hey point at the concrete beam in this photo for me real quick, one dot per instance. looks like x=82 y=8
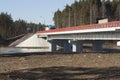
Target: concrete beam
x=53 y=46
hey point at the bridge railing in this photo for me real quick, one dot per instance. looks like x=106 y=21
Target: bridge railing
x=83 y=27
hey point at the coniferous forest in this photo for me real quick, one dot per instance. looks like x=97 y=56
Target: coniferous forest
x=87 y=12
x=10 y=28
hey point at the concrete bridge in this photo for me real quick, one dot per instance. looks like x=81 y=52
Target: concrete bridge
x=73 y=38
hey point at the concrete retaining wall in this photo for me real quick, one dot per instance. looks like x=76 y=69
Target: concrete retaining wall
x=34 y=41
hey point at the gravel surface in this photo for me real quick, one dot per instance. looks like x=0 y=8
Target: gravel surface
x=49 y=66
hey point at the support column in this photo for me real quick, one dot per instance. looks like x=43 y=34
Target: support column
x=97 y=46
x=66 y=46
x=77 y=46
x=118 y=43
x=53 y=46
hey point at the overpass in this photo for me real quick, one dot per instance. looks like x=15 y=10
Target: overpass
x=73 y=38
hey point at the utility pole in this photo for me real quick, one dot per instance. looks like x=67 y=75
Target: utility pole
x=43 y=19
x=69 y=18
x=90 y=12
x=75 y=19
x=103 y=8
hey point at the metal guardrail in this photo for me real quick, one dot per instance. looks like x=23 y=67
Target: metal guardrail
x=16 y=37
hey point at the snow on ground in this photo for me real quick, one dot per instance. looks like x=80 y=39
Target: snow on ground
x=20 y=50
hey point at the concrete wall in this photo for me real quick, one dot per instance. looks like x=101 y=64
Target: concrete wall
x=102 y=21
x=118 y=43
x=88 y=36
x=34 y=41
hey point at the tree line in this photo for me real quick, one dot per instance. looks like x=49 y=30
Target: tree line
x=87 y=12
x=10 y=28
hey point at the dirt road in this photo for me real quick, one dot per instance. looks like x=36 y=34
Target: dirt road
x=48 y=66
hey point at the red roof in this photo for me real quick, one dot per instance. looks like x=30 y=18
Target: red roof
x=83 y=27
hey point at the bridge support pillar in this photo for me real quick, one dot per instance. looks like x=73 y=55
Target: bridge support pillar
x=77 y=46
x=53 y=46
x=97 y=46
x=66 y=46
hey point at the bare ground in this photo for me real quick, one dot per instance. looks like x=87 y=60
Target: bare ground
x=51 y=66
